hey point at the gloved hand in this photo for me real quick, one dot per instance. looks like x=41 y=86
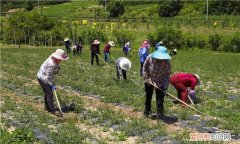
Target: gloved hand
x=54 y=87
x=192 y=94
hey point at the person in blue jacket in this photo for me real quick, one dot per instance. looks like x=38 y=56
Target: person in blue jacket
x=143 y=52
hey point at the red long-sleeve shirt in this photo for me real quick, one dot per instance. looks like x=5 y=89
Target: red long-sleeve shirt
x=188 y=80
x=107 y=48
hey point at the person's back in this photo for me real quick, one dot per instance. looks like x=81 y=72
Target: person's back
x=186 y=79
x=107 y=48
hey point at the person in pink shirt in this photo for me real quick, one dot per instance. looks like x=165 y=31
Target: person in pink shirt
x=185 y=84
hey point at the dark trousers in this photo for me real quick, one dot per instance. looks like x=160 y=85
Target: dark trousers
x=124 y=74
x=141 y=67
x=159 y=99
x=49 y=106
x=68 y=49
x=93 y=54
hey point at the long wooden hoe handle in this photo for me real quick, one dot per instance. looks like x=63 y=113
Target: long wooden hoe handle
x=190 y=99
x=112 y=58
x=55 y=94
x=177 y=99
x=103 y=60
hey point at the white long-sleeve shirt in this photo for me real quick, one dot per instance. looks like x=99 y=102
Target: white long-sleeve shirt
x=47 y=71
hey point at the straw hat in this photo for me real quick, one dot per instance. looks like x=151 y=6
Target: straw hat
x=96 y=42
x=125 y=64
x=161 y=53
x=66 y=39
x=198 y=78
x=111 y=43
x=60 y=54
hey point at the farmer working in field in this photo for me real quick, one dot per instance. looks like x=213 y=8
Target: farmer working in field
x=106 y=50
x=156 y=70
x=143 y=52
x=95 y=50
x=45 y=75
x=127 y=49
x=122 y=65
x=67 y=45
x=183 y=81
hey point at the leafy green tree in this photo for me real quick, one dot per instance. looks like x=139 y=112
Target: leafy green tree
x=29 y=5
x=169 y=8
x=219 y=7
x=116 y=9
x=215 y=41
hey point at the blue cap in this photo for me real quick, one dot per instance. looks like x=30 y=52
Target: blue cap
x=161 y=53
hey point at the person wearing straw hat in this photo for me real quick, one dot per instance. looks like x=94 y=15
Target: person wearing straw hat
x=45 y=76
x=95 y=51
x=106 y=50
x=156 y=70
x=122 y=65
x=143 y=52
x=67 y=44
x=185 y=84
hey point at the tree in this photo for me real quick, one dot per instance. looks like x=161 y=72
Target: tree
x=116 y=9
x=28 y=5
x=169 y=8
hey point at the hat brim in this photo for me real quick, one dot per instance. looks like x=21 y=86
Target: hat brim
x=96 y=42
x=111 y=44
x=159 y=55
x=122 y=63
x=59 y=57
x=66 y=39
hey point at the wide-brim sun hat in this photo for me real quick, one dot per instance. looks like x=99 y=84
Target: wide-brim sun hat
x=198 y=78
x=161 y=53
x=111 y=43
x=96 y=42
x=60 y=54
x=66 y=39
x=125 y=64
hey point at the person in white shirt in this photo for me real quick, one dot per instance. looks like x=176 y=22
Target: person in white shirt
x=122 y=65
x=45 y=76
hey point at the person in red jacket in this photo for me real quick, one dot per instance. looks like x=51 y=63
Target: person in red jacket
x=183 y=81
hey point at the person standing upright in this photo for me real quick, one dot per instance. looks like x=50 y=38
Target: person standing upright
x=156 y=70
x=95 y=51
x=143 y=52
x=106 y=50
x=67 y=45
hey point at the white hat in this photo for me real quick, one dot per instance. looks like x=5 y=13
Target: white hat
x=66 y=39
x=96 y=42
x=111 y=43
x=60 y=54
x=125 y=64
x=198 y=78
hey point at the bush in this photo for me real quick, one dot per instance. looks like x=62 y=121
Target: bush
x=116 y=9
x=215 y=41
x=121 y=37
x=169 y=8
x=88 y=36
x=172 y=37
x=232 y=45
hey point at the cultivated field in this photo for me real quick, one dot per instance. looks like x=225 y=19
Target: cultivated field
x=111 y=112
